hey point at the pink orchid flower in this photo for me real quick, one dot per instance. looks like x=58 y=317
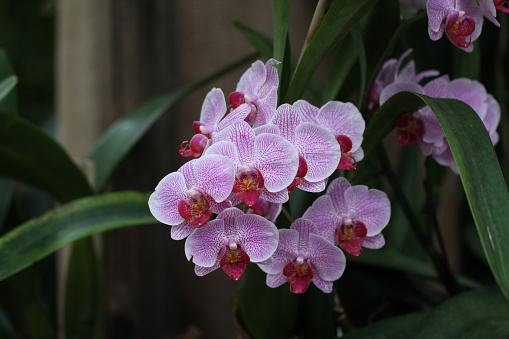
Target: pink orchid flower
x=460 y=19
x=212 y=119
x=351 y=216
x=344 y=121
x=232 y=241
x=185 y=199
x=258 y=87
x=263 y=163
x=302 y=256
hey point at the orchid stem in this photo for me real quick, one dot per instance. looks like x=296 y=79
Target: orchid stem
x=425 y=238
x=433 y=224
x=321 y=9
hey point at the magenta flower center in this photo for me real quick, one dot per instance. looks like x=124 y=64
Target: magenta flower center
x=195 y=208
x=459 y=27
x=410 y=128
x=301 y=173
x=351 y=237
x=234 y=260
x=299 y=274
x=248 y=185
x=347 y=161
x=502 y=5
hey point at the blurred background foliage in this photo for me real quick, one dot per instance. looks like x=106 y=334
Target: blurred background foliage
x=135 y=282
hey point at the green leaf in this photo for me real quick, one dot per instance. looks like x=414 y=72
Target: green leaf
x=282 y=52
x=9 y=103
x=6 y=190
x=39 y=237
x=7 y=85
x=30 y=155
x=118 y=140
x=461 y=314
x=401 y=327
x=361 y=51
x=81 y=295
x=340 y=18
x=475 y=157
x=267 y=312
x=342 y=65
x=390 y=259
x=260 y=41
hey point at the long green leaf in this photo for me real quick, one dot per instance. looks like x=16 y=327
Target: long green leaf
x=461 y=314
x=7 y=85
x=478 y=167
x=9 y=104
x=39 y=237
x=30 y=155
x=340 y=18
x=260 y=41
x=118 y=140
x=281 y=18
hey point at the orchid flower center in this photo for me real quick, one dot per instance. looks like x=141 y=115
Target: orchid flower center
x=301 y=173
x=238 y=98
x=410 y=128
x=299 y=274
x=351 y=237
x=201 y=128
x=261 y=208
x=195 y=208
x=502 y=5
x=195 y=147
x=248 y=184
x=234 y=260
x=347 y=161
x=459 y=28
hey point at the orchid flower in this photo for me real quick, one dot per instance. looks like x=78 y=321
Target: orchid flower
x=185 y=199
x=258 y=87
x=474 y=94
x=212 y=111
x=344 y=121
x=489 y=9
x=319 y=152
x=351 y=216
x=302 y=257
x=231 y=241
x=460 y=19
x=392 y=79
x=264 y=161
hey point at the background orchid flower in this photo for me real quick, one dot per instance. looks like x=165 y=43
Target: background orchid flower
x=460 y=19
x=344 y=121
x=391 y=80
x=319 y=152
x=303 y=256
x=232 y=241
x=351 y=216
x=258 y=87
x=268 y=210
x=261 y=161
x=211 y=120
x=474 y=94
x=489 y=9
x=185 y=199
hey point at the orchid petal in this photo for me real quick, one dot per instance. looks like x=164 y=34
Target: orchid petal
x=180 y=231
x=320 y=149
x=213 y=108
x=204 y=244
x=286 y=251
x=325 y=217
x=276 y=280
x=277 y=160
x=343 y=119
x=287 y=120
x=216 y=175
x=374 y=242
x=258 y=236
x=164 y=201
x=371 y=207
x=328 y=261
x=306 y=111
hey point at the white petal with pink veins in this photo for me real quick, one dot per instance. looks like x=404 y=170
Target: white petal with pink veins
x=277 y=160
x=163 y=203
